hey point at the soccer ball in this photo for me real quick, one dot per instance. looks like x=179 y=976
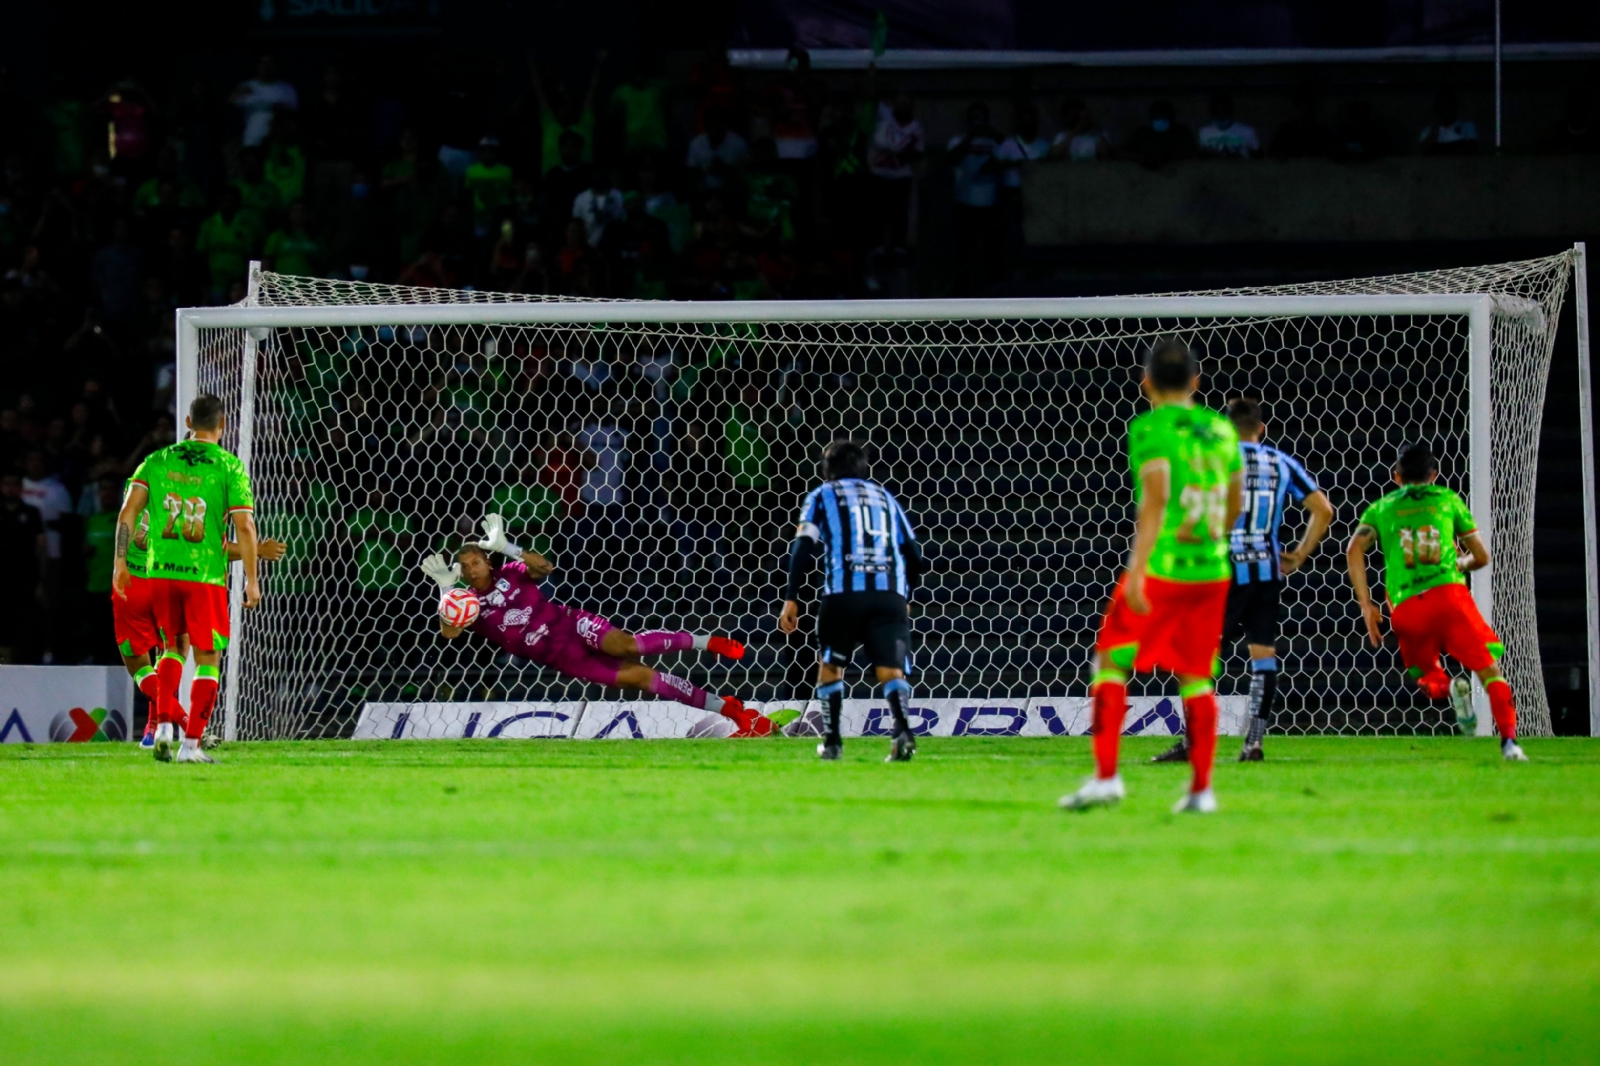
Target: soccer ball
x=459 y=608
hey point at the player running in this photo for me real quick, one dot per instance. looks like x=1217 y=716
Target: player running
x=1260 y=565
x=189 y=491
x=871 y=560
x=516 y=617
x=1167 y=610
x=1417 y=527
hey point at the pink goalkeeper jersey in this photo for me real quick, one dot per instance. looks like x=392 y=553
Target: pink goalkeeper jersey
x=517 y=618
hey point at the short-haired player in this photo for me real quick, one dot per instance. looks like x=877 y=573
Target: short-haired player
x=871 y=559
x=189 y=492
x=1261 y=565
x=1417 y=527
x=516 y=617
x=1167 y=611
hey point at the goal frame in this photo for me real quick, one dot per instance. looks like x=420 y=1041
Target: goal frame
x=257 y=322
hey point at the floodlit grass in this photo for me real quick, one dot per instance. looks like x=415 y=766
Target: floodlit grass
x=1356 y=900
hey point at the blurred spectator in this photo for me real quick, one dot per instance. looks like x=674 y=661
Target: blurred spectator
x=562 y=184
x=261 y=98
x=293 y=248
x=284 y=165
x=795 y=102
x=976 y=172
x=770 y=196
x=718 y=152
x=382 y=536
x=639 y=105
x=1577 y=132
x=576 y=263
x=225 y=240
x=43 y=490
x=1360 y=137
x=167 y=194
x=1078 y=139
x=127 y=109
x=1223 y=137
x=363 y=232
x=1304 y=135
x=488 y=181
x=417 y=189
x=559 y=114
x=118 y=272
x=638 y=252
x=332 y=128
x=1449 y=133
x=1025 y=145
x=23 y=542
x=259 y=203
x=607 y=463
x=898 y=145
x=563 y=472
x=598 y=206
x=94 y=613
x=1162 y=140
x=528 y=504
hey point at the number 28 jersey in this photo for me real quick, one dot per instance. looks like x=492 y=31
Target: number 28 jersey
x=195 y=487
x=1417 y=527
x=1202 y=452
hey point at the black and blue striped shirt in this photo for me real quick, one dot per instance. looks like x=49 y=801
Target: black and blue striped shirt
x=1271 y=477
x=865 y=536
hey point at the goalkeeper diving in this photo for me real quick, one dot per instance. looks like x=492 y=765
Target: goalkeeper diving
x=516 y=617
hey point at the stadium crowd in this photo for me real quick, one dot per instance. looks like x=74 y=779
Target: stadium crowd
x=117 y=207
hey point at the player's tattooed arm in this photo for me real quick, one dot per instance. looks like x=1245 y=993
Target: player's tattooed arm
x=132 y=505
x=1355 y=557
x=1477 y=556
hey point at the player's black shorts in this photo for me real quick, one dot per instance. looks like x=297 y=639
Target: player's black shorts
x=1253 y=612
x=878 y=621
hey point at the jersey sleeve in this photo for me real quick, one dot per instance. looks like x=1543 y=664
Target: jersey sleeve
x=902 y=521
x=1139 y=447
x=1300 y=482
x=241 y=497
x=1465 y=523
x=146 y=471
x=1370 y=517
x=807 y=524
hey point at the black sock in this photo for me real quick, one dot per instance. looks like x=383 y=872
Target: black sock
x=1263 y=699
x=897 y=692
x=832 y=697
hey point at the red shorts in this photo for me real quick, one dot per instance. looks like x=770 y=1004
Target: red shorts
x=1182 y=633
x=192 y=607
x=1444 y=618
x=133 y=620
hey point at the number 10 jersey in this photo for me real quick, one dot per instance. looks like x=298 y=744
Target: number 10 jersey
x=195 y=487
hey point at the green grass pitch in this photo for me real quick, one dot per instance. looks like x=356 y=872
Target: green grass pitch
x=1357 y=900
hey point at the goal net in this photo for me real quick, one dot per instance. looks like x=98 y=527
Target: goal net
x=658 y=452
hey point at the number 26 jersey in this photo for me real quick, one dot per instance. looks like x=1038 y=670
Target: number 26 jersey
x=195 y=487
x=1417 y=527
x=1202 y=453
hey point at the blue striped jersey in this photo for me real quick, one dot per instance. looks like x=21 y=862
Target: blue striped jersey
x=863 y=531
x=1271 y=478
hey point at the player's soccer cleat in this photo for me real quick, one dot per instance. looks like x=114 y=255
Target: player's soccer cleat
x=1511 y=751
x=164 y=742
x=1204 y=802
x=901 y=748
x=1251 y=753
x=149 y=738
x=1096 y=792
x=193 y=753
x=726 y=647
x=830 y=750
x=1461 y=704
x=751 y=722
x=1179 y=752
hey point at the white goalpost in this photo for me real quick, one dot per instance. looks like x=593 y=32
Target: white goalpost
x=658 y=451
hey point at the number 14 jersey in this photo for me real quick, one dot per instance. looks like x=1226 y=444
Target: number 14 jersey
x=1417 y=527
x=195 y=487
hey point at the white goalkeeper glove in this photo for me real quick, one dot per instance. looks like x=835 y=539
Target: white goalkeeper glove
x=444 y=574
x=494 y=537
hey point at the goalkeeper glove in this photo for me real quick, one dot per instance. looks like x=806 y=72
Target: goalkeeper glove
x=444 y=574
x=494 y=537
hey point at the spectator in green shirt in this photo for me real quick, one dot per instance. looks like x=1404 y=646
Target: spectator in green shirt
x=294 y=249
x=259 y=202
x=382 y=538
x=99 y=536
x=167 y=189
x=558 y=114
x=285 y=164
x=225 y=240
x=640 y=107
x=488 y=181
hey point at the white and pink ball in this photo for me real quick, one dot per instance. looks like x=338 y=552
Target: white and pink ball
x=459 y=608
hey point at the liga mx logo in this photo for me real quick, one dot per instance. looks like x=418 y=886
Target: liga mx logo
x=79 y=726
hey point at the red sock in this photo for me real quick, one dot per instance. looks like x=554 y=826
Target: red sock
x=202 y=698
x=1110 y=708
x=150 y=686
x=1503 y=707
x=1202 y=714
x=169 y=675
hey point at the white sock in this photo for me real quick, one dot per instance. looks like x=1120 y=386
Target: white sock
x=190 y=743
x=713 y=702
x=702 y=641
